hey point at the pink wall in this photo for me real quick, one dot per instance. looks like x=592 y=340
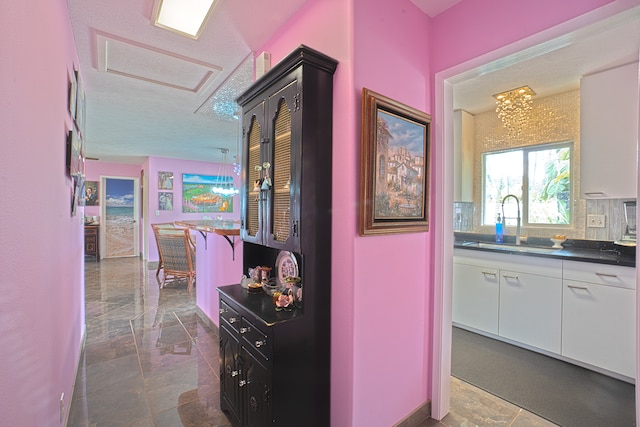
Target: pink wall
x=41 y=255
x=378 y=314
x=472 y=28
x=382 y=317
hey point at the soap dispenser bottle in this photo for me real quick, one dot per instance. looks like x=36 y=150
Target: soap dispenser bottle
x=499 y=230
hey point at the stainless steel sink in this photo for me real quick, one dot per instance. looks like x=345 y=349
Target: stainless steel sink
x=516 y=248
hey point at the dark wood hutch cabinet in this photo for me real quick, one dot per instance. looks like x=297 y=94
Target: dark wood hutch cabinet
x=274 y=365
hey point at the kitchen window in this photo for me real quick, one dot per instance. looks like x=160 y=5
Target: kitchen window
x=540 y=176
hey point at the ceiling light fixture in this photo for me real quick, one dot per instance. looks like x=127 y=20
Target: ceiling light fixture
x=224 y=181
x=185 y=17
x=514 y=107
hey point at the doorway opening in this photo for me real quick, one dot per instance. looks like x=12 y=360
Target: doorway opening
x=447 y=82
x=120 y=208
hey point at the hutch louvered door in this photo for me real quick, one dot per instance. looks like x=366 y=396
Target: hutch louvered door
x=252 y=199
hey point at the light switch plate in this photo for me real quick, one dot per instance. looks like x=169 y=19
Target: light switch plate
x=595 y=221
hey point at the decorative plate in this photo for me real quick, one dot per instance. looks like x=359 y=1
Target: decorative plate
x=286 y=266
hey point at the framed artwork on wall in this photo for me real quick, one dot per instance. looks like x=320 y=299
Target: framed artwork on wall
x=394 y=170
x=165 y=180
x=165 y=201
x=91 y=195
x=202 y=193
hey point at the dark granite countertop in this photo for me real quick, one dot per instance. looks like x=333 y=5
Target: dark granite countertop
x=597 y=251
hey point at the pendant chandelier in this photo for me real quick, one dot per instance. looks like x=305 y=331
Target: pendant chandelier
x=224 y=182
x=514 y=108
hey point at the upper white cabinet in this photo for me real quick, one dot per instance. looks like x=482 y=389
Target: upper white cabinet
x=609 y=133
x=463 y=134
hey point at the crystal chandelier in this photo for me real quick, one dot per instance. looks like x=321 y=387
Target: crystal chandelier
x=224 y=182
x=514 y=107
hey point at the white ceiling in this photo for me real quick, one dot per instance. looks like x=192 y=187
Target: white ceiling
x=151 y=92
x=555 y=66
x=144 y=85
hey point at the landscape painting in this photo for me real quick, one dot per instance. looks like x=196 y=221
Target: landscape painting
x=206 y=193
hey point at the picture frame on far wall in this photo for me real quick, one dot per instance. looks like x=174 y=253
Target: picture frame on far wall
x=165 y=201
x=165 y=180
x=91 y=194
x=394 y=170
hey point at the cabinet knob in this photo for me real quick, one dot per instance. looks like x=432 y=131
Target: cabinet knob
x=242 y=383
x=232 y=320
x=260 y=343
x=244 y=330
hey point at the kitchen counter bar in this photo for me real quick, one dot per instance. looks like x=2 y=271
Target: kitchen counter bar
x=596 y=251
x=226 y=228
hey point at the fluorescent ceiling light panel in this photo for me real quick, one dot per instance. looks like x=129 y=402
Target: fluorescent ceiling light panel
x=185 y=17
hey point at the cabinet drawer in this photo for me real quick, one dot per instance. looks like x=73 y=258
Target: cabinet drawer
x=229 y=315
x=602 y=274
x=255 y=338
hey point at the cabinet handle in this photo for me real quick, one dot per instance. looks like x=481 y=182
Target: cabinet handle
x=606 y=275
x=582 y=288
x=507 y=276
x=594 y=193
x=489 y=273
x=232 y=320
x=260 y=343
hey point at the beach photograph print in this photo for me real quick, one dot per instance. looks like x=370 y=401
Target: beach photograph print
x=119 y=211
x=400 y=168
x=207 y=193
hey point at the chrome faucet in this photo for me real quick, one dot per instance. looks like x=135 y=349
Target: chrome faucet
x=517 y=219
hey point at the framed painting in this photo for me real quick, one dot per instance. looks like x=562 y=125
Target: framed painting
x=165 y=180
x=165 y=201
x=206 y=193
x=394 y=170
x=91 y=195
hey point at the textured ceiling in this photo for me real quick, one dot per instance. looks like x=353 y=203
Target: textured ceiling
x=143 y=84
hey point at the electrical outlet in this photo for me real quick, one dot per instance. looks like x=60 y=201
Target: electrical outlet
x=157 y=213
x=595 y=221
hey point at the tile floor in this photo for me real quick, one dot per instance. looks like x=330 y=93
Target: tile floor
x=149 y=360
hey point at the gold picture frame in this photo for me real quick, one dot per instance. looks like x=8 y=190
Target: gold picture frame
x=394 y=171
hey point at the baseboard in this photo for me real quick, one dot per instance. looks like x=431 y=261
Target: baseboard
x=201 y=314
x=417 y=417
x=67 y=410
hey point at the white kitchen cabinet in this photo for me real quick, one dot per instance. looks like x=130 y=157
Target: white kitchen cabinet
x=599 y=316
x=531 y=309
x=609 y=132
x=475 y=296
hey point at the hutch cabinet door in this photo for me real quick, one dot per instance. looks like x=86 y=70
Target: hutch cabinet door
x=253 y=198
x=257 y=392
x=282 y=213
x=230 y=374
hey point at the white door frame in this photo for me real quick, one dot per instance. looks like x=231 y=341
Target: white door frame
x=136 y=212
x=524 y=49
